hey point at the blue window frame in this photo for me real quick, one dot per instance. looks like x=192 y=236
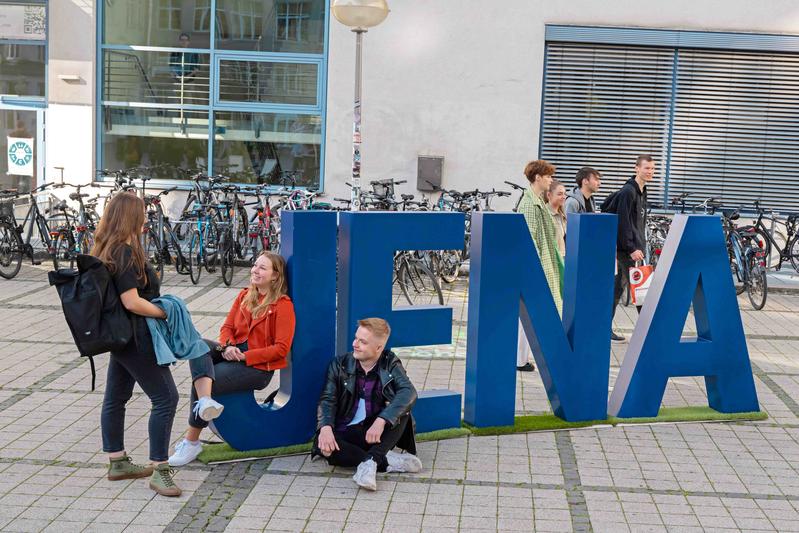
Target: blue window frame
x=201 y=92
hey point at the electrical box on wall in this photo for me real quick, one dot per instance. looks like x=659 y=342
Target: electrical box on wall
x=429 y=172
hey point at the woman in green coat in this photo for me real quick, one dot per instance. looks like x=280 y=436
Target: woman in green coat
x=542 y=230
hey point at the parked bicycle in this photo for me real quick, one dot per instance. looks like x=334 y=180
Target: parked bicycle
x=779 y=247
x=747 y=260
x=12 y=244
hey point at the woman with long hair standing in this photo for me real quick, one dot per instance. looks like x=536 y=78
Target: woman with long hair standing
x=254 y=341
x=117 y=244
x=556 y=197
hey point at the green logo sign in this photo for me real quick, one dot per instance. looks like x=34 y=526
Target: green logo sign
x=20 y=153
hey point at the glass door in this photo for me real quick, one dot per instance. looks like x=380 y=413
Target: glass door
x=21 y=147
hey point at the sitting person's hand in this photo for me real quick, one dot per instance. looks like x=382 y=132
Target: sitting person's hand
x=232 y=353
x=376 y=430
x=327 y=442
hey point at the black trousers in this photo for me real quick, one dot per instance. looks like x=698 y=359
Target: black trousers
x=228 y=376
x=622 y=279
x=353 y=448
x=137 y=364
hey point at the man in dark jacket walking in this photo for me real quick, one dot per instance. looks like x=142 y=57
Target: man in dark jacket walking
x=630 y=206
x=364 y=410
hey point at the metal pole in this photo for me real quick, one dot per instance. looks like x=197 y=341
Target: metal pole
x=355 y=205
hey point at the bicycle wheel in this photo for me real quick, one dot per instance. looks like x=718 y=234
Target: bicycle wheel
x=418 y=284
x=181 y=265
x=10 y=251
x=211 y=247
x=793 y=253
x=195 y=257
x=152 y=253
x=736 y=270
x=64 y=251
x=227 y=255
x=448 y=264
x=756 y=285
x=86 y=242
x=772 y=252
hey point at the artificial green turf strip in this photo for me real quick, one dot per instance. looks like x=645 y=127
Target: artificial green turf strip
x=527 y=423
x=213 y=453
x=689 y=414
x=442 y=434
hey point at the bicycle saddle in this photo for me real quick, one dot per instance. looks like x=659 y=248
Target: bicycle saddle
x=406 y=197
x=75 y=196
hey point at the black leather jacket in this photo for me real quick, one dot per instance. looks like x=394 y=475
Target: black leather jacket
x=338 y=394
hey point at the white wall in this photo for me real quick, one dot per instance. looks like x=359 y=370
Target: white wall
x=462 y=79
x=69 y=117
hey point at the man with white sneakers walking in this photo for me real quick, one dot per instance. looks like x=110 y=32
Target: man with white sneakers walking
x=364 y=410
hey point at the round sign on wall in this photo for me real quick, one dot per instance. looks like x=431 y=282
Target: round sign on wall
x=20 y=153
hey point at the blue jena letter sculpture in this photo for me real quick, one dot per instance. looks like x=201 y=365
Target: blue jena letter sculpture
x=506 y=282
x=309 y=245
x=693 y=267
x=572 y=356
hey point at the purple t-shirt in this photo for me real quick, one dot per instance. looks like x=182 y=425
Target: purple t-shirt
x=368 y=388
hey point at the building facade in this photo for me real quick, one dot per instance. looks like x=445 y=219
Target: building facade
x=258 y=89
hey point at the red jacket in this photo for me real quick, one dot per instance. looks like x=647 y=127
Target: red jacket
x=268 y=337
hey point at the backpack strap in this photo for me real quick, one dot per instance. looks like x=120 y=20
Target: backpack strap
x=94 y=371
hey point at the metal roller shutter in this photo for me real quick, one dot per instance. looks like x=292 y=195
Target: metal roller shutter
x=736 y=127
x=603 y=106
x=719 y=123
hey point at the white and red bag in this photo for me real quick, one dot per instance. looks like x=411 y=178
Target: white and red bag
x=640 y=280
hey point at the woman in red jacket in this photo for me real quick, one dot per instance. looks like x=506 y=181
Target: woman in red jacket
x=254 y=342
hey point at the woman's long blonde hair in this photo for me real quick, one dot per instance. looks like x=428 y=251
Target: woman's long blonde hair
x=122 y=220
x=277 y=289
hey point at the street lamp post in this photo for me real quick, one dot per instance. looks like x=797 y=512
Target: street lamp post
x=360 y=15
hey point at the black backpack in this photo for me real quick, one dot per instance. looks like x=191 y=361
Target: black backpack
x=609 y=203
x=92 y=308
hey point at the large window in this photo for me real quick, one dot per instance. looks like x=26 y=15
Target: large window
x=250 y=78
x=23 y=52
x=720 y=123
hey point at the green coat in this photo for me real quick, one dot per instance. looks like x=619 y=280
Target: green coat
x=542 y=230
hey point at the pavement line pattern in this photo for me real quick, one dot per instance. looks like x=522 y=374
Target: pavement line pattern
x=778 y=391
x=215 y=502
x=202 y=290
x=574 y=491
x=44 y=307
x=41 y=383
x=25 y=294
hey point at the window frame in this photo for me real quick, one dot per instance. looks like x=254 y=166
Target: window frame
x=214 y=104
x=31 y=101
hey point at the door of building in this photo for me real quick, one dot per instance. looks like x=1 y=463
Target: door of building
x=21 y=147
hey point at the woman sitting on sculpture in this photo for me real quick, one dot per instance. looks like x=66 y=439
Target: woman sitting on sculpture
x=254 y=341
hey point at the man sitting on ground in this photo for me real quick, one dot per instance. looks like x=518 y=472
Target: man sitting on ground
x=364 y=410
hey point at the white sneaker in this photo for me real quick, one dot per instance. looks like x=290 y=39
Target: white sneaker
x=207 y=408
x=403 y=462
x=185 y=452
x=365 y=476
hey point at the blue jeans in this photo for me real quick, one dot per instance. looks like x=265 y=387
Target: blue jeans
x=228 y=376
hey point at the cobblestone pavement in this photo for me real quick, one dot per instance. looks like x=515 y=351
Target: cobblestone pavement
x=675 y=477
